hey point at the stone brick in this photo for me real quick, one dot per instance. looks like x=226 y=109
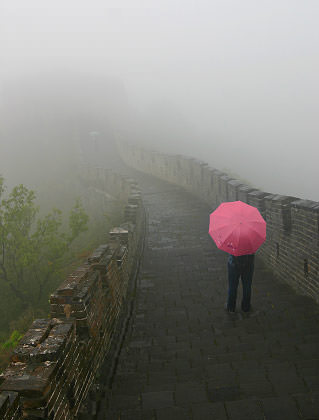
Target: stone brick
x=280 y=408
x=244 y=410
x=157 y=400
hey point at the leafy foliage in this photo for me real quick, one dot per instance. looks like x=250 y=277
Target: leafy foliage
x=7 y=347
x=12 y=341
x=32 y=248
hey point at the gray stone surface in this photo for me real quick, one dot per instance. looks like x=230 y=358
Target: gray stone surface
x=184 y=357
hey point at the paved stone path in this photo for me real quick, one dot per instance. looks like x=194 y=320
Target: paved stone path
x=184 y=357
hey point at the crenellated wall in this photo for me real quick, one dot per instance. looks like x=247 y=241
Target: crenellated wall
x=292 y=245
x=57 y=360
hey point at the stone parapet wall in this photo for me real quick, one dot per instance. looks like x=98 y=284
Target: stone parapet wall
x=107 y=180
x=292 y=245
x=57 y=360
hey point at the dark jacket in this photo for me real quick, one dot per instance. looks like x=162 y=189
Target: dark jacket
x=243 y=262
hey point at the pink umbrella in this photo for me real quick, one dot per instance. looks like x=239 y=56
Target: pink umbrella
x=237 y=228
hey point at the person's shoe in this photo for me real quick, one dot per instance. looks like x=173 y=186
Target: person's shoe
x=228 y=310
x=247 y=312
x=231 y=312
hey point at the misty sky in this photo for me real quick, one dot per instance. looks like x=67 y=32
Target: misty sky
x=234 y=82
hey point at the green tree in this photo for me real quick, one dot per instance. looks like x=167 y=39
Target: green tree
x=12 y=341
x=32 y=247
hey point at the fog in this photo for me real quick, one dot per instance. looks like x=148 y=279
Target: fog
x=232 y=82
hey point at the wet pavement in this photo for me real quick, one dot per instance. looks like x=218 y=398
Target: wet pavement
x=184 y=356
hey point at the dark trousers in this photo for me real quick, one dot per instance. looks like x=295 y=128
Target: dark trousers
x=236 y=271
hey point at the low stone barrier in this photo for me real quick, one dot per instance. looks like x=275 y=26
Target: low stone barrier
x=292 y=245
x=56 y=361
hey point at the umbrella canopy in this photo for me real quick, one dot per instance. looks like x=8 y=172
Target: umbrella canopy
x=237 y=228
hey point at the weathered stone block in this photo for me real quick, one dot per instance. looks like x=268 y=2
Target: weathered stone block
x=30 y=381
x=98 y=253
x=73 y=281
x=120 y=235
x=9 y=405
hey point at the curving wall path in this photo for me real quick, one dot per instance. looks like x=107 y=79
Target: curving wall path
x=57 y=360
x=292 y=245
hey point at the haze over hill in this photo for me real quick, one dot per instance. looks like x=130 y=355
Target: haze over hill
x=233 y=83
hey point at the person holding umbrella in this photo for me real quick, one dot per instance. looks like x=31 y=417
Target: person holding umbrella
x=239 y=229
x=240 y=267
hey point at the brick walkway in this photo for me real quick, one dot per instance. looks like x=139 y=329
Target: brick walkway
x=184 y=357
